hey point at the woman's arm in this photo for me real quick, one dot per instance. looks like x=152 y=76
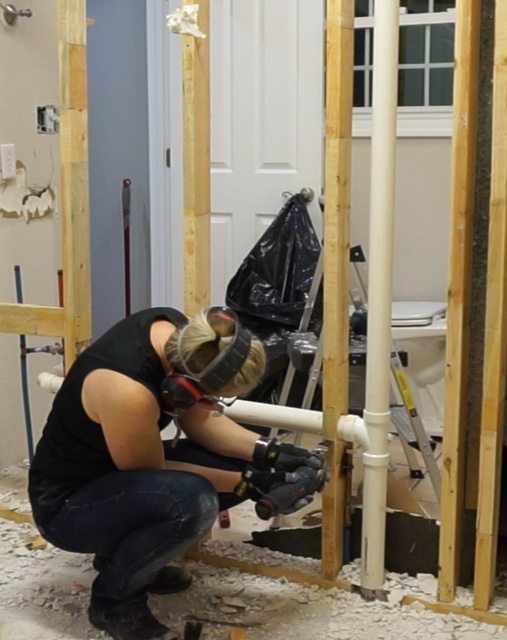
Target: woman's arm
x=218 y=433
x=128 y=414
x=223 y=481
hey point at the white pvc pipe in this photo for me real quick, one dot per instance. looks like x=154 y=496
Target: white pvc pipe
x=376 y=413
x=278 y=417
x=350 y=428
x=49 y=381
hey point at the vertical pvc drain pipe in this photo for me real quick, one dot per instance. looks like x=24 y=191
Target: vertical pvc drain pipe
x=376 y=413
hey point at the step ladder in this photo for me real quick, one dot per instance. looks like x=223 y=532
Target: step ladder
x=405 y=419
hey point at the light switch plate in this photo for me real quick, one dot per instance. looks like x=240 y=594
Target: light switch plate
x=8 y=161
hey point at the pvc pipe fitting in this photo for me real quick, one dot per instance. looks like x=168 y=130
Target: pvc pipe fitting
x=376 y=418
x=375 y=459
x=49 y=381
x=353 y=429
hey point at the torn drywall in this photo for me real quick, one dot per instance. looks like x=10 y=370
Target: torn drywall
x=20 y=200
x=184 y=20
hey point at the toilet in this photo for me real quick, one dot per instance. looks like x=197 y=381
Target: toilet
x=419 y=328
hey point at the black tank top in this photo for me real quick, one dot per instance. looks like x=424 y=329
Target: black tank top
x=72 y=449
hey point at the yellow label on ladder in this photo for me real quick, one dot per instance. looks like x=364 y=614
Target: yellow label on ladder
x=405 y=391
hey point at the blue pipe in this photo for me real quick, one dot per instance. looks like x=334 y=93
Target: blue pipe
x=24 y=371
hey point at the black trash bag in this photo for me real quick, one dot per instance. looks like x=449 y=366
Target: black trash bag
x=270 y=289
x=272 y=282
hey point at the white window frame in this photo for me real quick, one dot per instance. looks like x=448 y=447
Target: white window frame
x=413 y=122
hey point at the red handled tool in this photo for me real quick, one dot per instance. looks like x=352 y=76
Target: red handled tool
x=224 y=519
x=125 y=196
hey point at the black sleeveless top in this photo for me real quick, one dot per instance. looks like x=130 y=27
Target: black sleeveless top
x=73 y=449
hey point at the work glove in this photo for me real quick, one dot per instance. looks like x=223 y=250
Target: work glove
x=255 y=483
x=283 y=456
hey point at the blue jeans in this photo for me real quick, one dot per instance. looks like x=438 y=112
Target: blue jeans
x=140 y=521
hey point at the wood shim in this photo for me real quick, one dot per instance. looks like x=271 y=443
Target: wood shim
x=15 y=516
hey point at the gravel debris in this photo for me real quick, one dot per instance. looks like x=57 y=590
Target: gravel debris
x=44 y=596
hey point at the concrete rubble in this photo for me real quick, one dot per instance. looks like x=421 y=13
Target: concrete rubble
x=44 y=596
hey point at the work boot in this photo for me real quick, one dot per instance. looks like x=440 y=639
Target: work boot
x=145 y=627
x=170 y=579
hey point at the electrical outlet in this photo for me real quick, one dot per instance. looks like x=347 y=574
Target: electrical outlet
x=47 y=119
x=8 y=161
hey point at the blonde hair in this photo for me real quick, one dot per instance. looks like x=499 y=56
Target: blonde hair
x=192 y=347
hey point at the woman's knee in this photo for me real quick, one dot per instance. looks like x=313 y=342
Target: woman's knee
x=191 y=501
x=201 y=507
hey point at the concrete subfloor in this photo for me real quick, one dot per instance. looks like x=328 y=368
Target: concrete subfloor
x=44 y=592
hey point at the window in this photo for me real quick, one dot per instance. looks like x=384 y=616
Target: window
x=426 y=64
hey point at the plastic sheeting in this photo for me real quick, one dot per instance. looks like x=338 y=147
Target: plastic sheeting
x=270 y=289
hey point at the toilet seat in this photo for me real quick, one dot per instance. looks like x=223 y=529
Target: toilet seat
x=416 y=314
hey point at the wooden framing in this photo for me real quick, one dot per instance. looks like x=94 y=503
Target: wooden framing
x=269 y=571
x=488 y=617
x=339 y=64
x=31 y=319
x=340 y=30
x=74 y=200
x=495 y=351
x=73 y=321
x=340 y=50
x=300 y=577
x=196 y=165
x=466 y=76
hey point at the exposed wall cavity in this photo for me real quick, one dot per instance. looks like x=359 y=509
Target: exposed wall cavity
x=19 y=199
x=480 y=248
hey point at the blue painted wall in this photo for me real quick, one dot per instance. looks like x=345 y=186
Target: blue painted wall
x=118 y=135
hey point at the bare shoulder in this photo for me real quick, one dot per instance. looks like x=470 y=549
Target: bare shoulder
x=107 y=390
x=128 y=413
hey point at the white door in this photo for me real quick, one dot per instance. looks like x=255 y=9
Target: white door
x=266 y=119
x=266 y=122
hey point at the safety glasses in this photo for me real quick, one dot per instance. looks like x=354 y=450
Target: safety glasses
x=222 y=320
x=216 y=404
